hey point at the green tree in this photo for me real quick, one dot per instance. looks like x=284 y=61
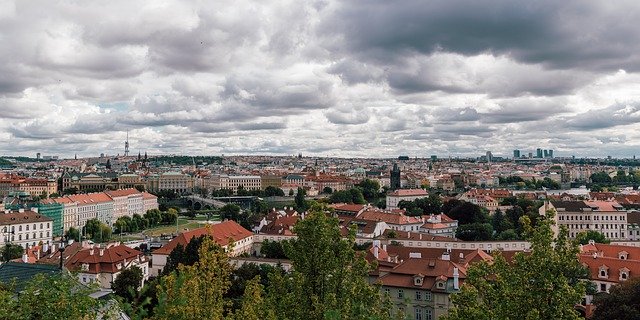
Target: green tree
x=273 y=249
x=601 y=178
x=11 y=251
x=328 y=278
x=154 y=216
x=72 y=233
x=327 y=190
x=184 y=255
x=197 y=291
x=621 y=303
x=475 y=232
x=543 y=284
x=272 y=191
x=230 y=211
x=253 y=305
x=97 y=231
x=370 y=189
x=584 y=237
x=50 y=297
x=467 y=213
x=299 y=201
x=127 y=283
x=499 y=222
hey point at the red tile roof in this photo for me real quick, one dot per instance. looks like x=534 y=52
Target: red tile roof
x=221 y=234
x=103 y=260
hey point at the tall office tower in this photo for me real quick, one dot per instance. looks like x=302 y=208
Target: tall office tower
x=489 y=156
x=395 y=177
x=516 y=154
x=546 y=153
x=550 y=153
x=538 y=153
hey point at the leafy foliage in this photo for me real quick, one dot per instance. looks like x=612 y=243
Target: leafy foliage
x=128 y=282
x=273 y=249
x=11 y=251
x=620 y=303
x=187 y=256
x=49 y=297
x=196 y=291
x=97 y=230
x=585 y=236
x=542 y=284
x=328 y=277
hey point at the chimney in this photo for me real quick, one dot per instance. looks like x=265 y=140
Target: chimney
x=384 y=247
x=456 y=279
x=91 y=251
x=45 y=248
x=461 y=257
x=34 y=210
x=53 y=248
x=25 y=258
x=420 y=236
x=21 y=210
x=101 y=252
x=375 y=252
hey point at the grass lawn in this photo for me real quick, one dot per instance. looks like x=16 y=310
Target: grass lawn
x=168 y=229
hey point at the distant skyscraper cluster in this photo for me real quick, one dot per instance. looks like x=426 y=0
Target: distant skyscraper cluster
x=540 y=154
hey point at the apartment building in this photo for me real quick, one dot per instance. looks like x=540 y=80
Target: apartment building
x=126 y=202
x=93 y=206
x=25 y=227
x=606 y=217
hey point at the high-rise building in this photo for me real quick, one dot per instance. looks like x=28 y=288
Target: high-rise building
x=538 y=153
x=546 y=153
x=550 y=153
x=395 y=177
x=489 y=156
x=516 y=154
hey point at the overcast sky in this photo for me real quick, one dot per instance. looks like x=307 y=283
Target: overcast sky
x=330 y=78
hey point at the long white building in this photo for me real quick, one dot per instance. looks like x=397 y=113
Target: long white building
x=25 y=228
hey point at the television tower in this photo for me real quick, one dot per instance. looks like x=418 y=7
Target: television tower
x=126 y=146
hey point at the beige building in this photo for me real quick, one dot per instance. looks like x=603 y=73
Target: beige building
x=606 y=217
x=126 y=202
x=221 y=181
x=170 y=181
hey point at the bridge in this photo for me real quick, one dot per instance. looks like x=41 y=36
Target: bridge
x=198 y=202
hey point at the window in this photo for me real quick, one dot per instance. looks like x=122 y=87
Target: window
x=418 y=295
x=20 y=228
x=427 y=314
x=400 y=294
x=418 y=312
x=41 y=226
x=387 y=291
x=603 y=287
x=427 y=296
x=26 y=236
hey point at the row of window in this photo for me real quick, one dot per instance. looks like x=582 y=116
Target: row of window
x=13 y=228
x=595 y=226
x=26 y=236
x=419 y=295
x=597 y=218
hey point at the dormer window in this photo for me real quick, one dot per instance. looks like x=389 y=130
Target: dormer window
x=440 y=285
x=417 y=280
x=623 y=255
x=624 y=274
x=85 y=267
x=603 y=273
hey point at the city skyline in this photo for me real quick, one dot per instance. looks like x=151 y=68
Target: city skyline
x=321 y=78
